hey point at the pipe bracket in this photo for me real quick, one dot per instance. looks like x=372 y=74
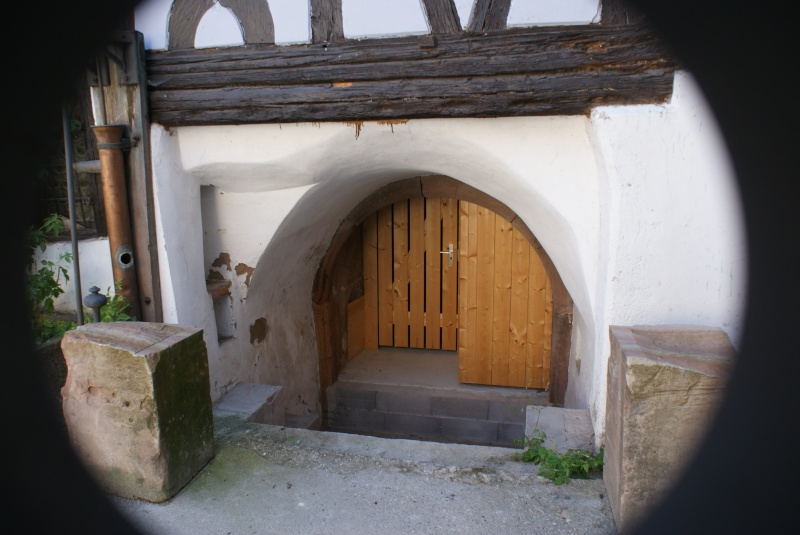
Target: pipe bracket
x=124 y=144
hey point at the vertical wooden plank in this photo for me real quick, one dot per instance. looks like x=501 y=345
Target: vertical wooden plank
x=536 y=317
x=464 y=354
x=547 y=341
x=489 y=15
x=472 y=292
x=449 y=274
x=501 y=304
x=385 y=320
x=326 y=21
x=355 y=327
x=416 y=272
x=485 y=295
x=369 y=241
x=126 y=103
x=433 y=272
x=400 y=282
x=442 y=16
x=518 y=322
x=559 y=364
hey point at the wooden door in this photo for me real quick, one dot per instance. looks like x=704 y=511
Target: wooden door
x=493 y=304
x=410 y=287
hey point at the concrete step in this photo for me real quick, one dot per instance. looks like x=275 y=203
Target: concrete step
x=252 y=402
x=491 y=416
x=564 y=428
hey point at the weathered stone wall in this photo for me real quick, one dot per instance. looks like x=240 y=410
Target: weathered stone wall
x=664 y=385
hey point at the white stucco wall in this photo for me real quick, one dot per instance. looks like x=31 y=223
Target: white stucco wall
x=94 y=259
x=675 y=249
x=635 y=205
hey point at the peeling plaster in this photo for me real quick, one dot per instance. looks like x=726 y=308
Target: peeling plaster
x=258 y=331
x=214 y=276
x=241 y=269
x=223 y=260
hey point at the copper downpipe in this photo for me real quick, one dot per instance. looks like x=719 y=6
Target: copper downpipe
x=118 y=221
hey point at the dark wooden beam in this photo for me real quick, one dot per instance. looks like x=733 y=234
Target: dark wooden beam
x=184 y=16
x=442 y=16
x=326 y=21
x=619 y=12
x=253 y=15
x=525 y=71
x=255 y=18
x=489 y=15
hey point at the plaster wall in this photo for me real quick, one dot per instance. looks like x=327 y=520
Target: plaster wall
x=94 y=258
x=636 y=207
x=273 y=195
x=672 y=224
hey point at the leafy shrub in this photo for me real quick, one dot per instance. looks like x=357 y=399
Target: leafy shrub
x=558 y=467
x=44 y=284
x=44 y=287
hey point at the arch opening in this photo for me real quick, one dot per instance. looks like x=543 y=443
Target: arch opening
x=339 y=279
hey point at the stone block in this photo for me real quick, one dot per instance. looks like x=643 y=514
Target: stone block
x=565 y=429
x=399 y=402
x=368 y=421
x=475 y=409
x=413 y=425
x=507 y=411
x=469 y=431
x=137 y=405
x=355 y=398
x=664 y=386
x=254 y=402
x=507 y=433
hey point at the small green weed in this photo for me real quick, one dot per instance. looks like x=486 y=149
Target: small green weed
x=558 y=467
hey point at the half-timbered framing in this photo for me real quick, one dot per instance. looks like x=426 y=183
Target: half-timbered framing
x=484 y=70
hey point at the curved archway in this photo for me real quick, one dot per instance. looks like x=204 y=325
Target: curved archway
x=433 y=186
x=255 y=19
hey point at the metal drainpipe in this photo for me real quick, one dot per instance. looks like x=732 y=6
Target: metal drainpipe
x=76 y=266
x=115 y=197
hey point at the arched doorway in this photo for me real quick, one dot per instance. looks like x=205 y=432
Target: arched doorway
x=445 y=274
x=329 y=307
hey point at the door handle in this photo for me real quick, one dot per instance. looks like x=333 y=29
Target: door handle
x=449 y=252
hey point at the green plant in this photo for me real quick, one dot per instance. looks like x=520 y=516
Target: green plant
x=556 y=466
x=44 y=284
x=117 y=308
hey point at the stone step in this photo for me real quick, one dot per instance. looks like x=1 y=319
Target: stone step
x=253 y=402
x=489 y=417
x=564 y=428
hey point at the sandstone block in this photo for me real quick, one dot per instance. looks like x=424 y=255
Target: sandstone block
x=664 y=386
x=137 y=405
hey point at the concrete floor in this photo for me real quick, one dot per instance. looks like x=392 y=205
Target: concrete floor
x=427 y=368
x=270 y=480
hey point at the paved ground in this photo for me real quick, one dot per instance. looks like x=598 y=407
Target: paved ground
x=274 y=480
